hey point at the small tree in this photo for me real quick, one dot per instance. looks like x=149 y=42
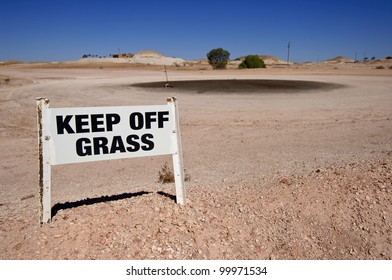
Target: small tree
x=218 y=58
x=252 y=61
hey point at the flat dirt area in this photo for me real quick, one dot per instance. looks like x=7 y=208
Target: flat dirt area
x=284 y=163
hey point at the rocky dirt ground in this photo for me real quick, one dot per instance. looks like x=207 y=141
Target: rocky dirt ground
x=272 y=176
x=337 y=212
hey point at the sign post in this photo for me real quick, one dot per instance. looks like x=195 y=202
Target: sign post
x=75 y=135
x=178 y=167
x=44 y=168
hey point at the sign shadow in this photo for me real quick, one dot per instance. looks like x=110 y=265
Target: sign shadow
x=172 y=197
x=89 y=201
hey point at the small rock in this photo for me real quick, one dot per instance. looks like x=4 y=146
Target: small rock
x=285 y=181
x=382 y=186
x=164 y=230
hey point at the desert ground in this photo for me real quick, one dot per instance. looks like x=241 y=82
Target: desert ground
x=277 y=171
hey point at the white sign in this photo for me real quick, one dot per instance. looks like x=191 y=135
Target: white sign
x=74 y=135
x=92 y=134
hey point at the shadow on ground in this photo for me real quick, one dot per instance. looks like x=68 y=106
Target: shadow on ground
x=238 y=86
x=89 y=201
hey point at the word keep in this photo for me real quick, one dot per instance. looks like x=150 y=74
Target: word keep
x=105 y=122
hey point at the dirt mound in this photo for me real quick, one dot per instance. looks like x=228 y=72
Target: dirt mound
x=149 y=54
x=147 y=57
x=10 y=62
x=155 y=58
x=268 y=59
x=339 y=59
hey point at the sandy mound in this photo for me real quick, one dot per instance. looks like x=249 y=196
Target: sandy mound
x=268 y=60
x=10 y=62
x=149 y=54
x=155 y=58
x=339 y=59
x=99 y=60
x=142 y=57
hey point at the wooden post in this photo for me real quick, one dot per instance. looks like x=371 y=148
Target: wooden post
x=178 y=166
x=44 y=170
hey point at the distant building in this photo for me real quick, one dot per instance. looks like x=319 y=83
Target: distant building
x=122 y=55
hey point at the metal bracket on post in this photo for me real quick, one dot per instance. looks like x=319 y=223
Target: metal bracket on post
x=178 y=166
x=44 y=172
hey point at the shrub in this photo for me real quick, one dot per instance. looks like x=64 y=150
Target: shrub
x=166 y=175
x=218 y=58
x=252 y=61
x=220 y=65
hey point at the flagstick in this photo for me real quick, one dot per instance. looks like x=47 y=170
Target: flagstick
x=167 y=79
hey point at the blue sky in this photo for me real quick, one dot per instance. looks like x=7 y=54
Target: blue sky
x=58 y=30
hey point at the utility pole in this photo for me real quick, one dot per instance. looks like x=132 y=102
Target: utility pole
x=288 y=53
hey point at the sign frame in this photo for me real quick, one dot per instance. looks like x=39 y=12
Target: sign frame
x=46 y=151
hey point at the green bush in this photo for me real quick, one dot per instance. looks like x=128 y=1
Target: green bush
x=252 y=61
x=218 y=58
x=242 y=65
x=220 y=65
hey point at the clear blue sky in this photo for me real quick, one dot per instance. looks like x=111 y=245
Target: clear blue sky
x=57 y=30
